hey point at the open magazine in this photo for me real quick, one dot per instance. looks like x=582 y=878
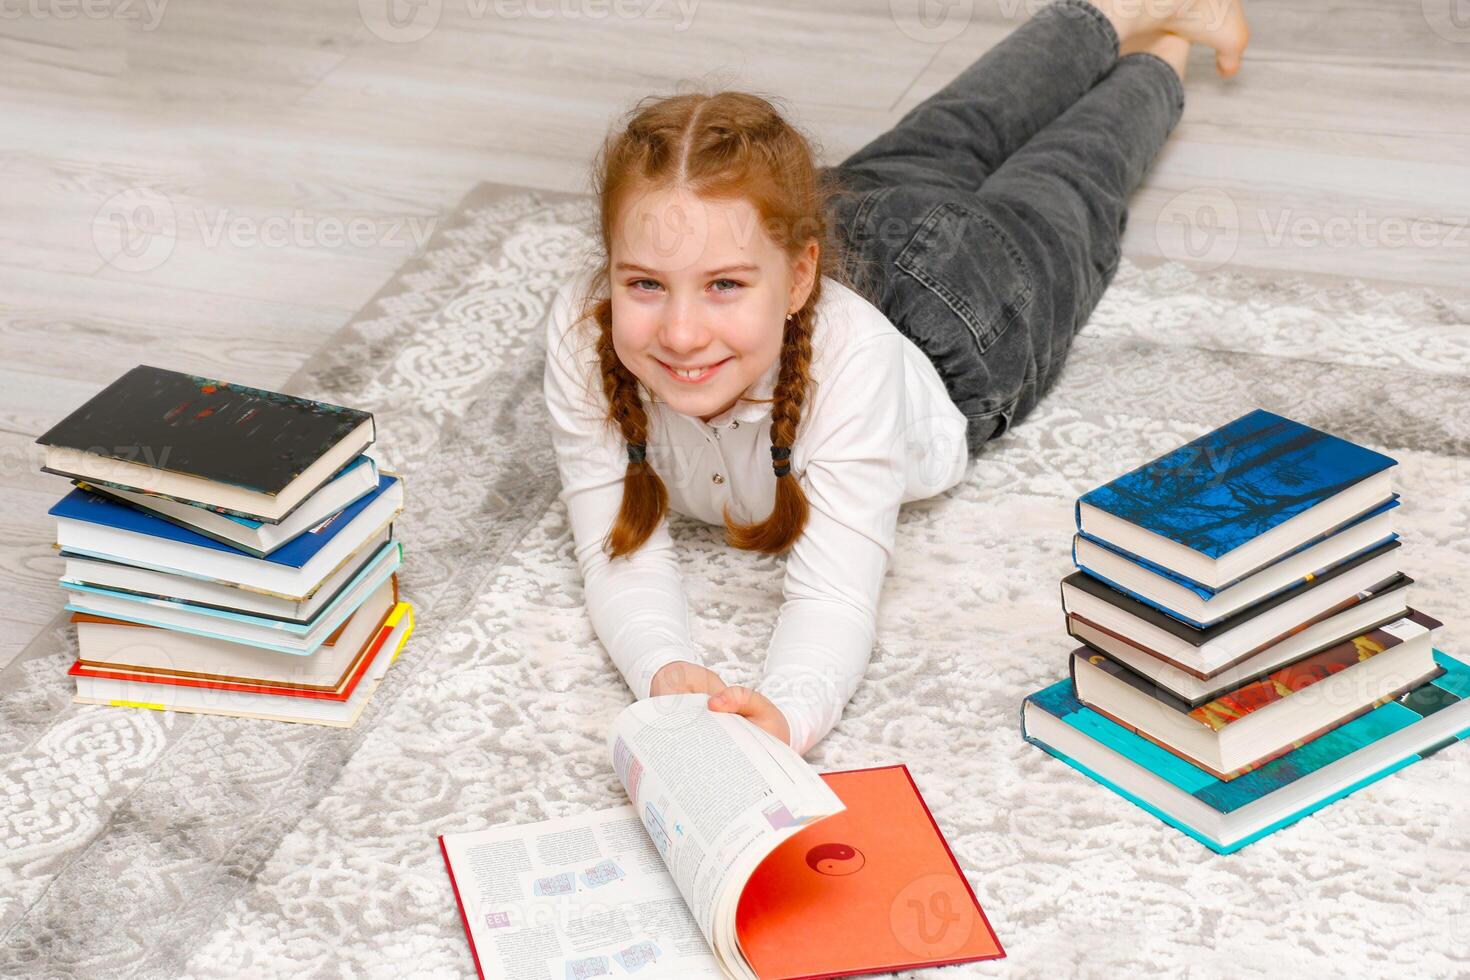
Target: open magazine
x=660 y=878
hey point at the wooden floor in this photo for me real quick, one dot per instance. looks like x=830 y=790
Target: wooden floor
x=271 y=163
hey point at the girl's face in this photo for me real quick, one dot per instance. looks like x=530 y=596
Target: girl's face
x=700 y=295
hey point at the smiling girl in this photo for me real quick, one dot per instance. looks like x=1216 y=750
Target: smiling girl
x=793 y=352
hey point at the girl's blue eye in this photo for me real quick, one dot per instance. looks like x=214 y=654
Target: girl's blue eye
x=732 y=282
x=637 y=282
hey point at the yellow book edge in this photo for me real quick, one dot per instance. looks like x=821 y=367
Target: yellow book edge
x=399 y=612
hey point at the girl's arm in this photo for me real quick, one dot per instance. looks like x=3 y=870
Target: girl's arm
x=854 y=478
x=636 y=604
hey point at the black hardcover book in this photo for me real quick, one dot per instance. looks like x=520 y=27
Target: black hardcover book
x=175 y=434
x=1197 y=637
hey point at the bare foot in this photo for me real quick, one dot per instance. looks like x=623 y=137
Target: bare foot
x=1220 y=24
x=1170 y=47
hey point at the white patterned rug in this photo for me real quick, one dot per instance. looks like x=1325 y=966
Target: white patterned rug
x=145 y=844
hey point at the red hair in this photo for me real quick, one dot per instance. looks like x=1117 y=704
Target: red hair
x=728 y=145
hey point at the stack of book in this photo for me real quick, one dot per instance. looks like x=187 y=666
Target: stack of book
x=1249 y=652
x=227 y=550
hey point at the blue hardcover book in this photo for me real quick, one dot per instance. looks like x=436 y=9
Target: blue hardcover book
x=1351 y=528
x=1227 y=815
x=257 y=538
x=1237 y=498
x=91 y=508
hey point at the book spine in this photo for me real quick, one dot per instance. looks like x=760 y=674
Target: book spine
x=464 y=917
x=1062 y=594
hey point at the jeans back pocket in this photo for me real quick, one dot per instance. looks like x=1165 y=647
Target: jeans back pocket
x=961 y=254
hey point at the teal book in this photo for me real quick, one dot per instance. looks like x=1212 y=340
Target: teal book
x=1226 y=815
x=265 y=632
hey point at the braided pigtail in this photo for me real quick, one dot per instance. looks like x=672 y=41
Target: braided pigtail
x=788 y=516
x=645 y=499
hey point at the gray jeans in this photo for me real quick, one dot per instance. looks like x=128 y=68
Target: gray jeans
x=986 y=223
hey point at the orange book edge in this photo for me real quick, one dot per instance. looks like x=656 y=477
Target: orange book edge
x=363 y=662
x=108 y=669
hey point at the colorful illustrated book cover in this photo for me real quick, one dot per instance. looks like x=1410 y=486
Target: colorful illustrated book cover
x=1233 y=484
x=1226 y=796
x=1277 y=685
x=1206 y=592
x=215 y=430
x=1075 y=621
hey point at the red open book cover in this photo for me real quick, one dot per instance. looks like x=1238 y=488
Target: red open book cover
x=872 y=889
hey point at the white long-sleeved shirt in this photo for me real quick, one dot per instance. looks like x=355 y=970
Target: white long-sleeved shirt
x=878 y=429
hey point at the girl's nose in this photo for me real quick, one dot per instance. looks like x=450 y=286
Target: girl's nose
x=682 y=331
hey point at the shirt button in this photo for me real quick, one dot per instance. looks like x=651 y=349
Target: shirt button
x=718 y=478
x=734 y=423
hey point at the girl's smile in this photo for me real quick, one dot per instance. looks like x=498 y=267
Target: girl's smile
x=694 y=376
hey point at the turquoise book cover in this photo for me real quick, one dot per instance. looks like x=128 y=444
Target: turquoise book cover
x=1449 y=688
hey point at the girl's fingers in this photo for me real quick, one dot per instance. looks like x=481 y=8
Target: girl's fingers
x=731 y=698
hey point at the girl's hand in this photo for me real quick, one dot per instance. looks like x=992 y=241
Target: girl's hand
x=754 y=705
x=685 y=677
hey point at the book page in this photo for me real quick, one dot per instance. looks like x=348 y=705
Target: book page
x=715 y=793
x=575 y=897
